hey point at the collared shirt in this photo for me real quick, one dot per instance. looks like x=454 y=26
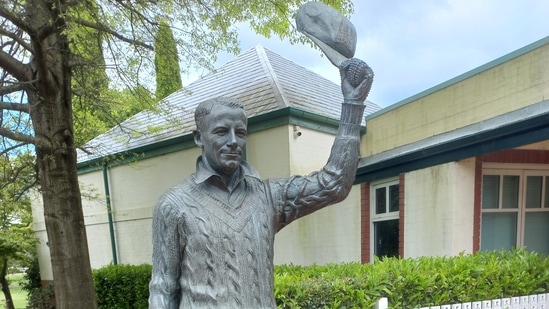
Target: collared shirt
x=204 y=173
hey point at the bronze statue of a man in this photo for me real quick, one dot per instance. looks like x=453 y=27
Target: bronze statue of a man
x=213 y=233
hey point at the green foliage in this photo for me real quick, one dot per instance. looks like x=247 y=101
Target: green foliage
x=350 y=285
x=31 y=279
x=42 y=298
x=17 y=239
x=38 y=297
x=411 y=283
x=407 y=283
x=464 y=278
x=166 y=62
x=122 y=286
x=96 y=107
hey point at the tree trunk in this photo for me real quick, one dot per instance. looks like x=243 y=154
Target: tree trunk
x=65 y=229
x=51 y=114
x=5 y=284
x=62 y=202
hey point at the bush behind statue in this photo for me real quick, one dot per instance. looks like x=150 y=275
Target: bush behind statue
x=408 y=283
x=122 y=286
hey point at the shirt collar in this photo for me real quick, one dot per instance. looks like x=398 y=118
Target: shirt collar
x=204 y=171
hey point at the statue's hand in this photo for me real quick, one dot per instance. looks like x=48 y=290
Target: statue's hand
x=356 y=80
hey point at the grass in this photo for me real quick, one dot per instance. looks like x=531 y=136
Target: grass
x=17 y=293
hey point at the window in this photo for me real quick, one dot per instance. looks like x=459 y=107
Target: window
x=515 y=209
x=384 y=207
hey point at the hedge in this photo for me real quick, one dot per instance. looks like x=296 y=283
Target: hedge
x=122 y=286
x=407 y=283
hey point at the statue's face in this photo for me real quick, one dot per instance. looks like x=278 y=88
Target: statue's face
x=223 y=138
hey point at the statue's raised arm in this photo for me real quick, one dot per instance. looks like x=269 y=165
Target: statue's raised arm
x=304 y=195
x=336 y=37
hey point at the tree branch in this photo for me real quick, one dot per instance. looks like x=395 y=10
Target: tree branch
x=103 y=28
x=12 y=35
x=4 y=90
x=16 y=20
x=15 y=67
x=19 y=107
x=25 y=138
x=9 y=149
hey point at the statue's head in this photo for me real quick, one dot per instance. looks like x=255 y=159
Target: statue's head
x=221 y=131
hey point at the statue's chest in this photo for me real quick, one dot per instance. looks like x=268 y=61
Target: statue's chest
x=244 y=222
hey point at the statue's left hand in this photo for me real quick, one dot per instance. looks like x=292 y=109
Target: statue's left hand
x=356 y=80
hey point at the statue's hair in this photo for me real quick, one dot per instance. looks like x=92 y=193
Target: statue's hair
x=205 y=108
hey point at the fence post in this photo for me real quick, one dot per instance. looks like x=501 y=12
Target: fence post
x=382 y=303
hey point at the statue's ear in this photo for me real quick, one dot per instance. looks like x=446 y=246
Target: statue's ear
x=198 y=138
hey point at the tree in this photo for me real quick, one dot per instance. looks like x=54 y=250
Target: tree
x=39 y=58
x=17 y=240
x=166 y=62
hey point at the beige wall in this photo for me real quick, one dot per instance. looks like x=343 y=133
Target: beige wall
x=514 y=84
x=268 y=150
x=330 y=235
x=438 y=213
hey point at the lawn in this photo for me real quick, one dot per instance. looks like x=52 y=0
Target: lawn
x=19 y=295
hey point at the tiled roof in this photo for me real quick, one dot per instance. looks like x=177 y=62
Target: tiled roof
x=262 y=80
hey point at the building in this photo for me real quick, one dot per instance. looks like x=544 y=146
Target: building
x=463 y=166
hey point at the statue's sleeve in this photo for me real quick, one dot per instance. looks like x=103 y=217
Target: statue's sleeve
x=167 y=242
x=302 y=195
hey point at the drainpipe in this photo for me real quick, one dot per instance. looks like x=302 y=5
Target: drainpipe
x=109 y=212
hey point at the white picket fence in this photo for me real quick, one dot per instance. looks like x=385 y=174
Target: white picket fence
x=537 y=301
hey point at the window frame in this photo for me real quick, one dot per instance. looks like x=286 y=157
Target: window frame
x=523 y=171
x=388 y=215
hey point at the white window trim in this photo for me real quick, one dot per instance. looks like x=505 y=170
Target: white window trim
x=379 y=217
x=521 y=170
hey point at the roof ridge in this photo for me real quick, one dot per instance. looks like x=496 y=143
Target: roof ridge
x=273 y=77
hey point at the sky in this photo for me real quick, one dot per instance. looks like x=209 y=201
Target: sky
x=413 y=45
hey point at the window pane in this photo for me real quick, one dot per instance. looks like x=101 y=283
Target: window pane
x=535 y=232
x=393 y=198
x=546 y=192
x=499 y=231
x=510 y=191
x=381 y=200
x=490 y=191
x=386 y=238
x=533 y=191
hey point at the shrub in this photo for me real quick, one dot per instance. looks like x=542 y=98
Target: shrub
x=407 y=283
x=464 y=278
x=38 y=297
x=122 y=286
x=31 y=278
x=330 y=286
x=42 y=298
